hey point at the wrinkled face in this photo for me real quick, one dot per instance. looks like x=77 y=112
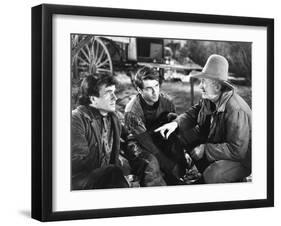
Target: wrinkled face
x=150 y=91
x=210 y=89
x=106 y=102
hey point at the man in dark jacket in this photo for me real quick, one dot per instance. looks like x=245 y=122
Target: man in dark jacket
x=217 y=131
x=150 y=156
x=95 y=136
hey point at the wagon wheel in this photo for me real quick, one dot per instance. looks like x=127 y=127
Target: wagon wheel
x=93 y=57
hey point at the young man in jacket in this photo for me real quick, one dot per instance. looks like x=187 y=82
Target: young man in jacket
x=217 y=131
x=157 y=162
x=95 y=136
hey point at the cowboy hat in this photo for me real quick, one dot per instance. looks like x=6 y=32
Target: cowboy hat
x=216 y=68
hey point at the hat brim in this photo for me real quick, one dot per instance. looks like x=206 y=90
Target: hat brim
x=209 y=76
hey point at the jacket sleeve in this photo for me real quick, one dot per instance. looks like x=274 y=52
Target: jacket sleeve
x=80 y=153
x=137 y=128
x=172 y=107
x=188 y=129
x=235 y=147
x=134 y=123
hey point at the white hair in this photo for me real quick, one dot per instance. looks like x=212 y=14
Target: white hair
x=215 y=83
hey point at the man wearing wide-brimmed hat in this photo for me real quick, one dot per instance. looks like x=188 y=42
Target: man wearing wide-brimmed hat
x=216 y=131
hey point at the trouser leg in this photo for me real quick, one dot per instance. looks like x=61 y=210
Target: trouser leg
x=147 y=168
x=152 y=172
x=106 y=177
x=225 y=171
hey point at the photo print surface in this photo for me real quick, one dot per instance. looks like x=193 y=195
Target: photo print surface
x=159 y=112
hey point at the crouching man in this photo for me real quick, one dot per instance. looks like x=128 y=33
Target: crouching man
x=217 y=131
x=95 y=136
x=155 y=161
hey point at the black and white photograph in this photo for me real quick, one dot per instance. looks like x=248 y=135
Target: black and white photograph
x=140 y=112
x=143 y=112
x=159 y=112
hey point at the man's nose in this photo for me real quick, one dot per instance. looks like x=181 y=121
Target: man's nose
x=154 y=90
x=114 y=97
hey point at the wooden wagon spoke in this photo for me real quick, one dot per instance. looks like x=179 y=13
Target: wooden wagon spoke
x=100 y=57
x=85 y=62
x=85 y=54
x=103 y=70
x=82 y=67
x=88 y=49
x=93 y=53
x=97 y=51
x=103 y=63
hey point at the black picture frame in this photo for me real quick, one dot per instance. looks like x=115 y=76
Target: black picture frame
x=42 y=108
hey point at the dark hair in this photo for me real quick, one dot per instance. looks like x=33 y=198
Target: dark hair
x=146 y=73
x=91 y=85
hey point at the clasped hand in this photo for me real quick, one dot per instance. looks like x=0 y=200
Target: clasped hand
x=198 y=152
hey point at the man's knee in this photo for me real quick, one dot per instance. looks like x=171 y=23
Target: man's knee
x=152 y=174
x=151 y=161
x=224 y=171
x=110 y=177
x=212 y=174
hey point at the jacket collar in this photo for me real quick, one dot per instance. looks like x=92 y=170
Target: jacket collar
x=91 y=113
x=145 y=105
x=225 y=96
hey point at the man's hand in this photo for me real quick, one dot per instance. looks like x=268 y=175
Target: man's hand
x=198 y=152
x=167 y=128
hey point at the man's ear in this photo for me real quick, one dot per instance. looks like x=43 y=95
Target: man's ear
x=93 y=100
x=218 y=86
x=139 y=90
